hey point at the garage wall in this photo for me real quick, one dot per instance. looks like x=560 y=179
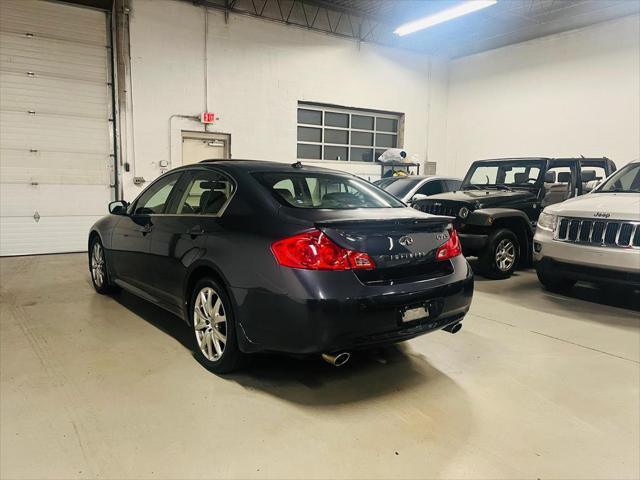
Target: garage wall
x=258 y=71
x=563 y=95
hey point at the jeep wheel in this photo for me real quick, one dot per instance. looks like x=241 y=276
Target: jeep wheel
x=555 y=283
x=501 y=256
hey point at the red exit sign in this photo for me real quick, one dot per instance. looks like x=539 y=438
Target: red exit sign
x=208 y=117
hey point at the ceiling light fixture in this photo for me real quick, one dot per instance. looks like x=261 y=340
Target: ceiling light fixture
x=443 y=16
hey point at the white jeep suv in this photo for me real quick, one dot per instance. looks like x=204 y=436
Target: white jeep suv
x=595 y=237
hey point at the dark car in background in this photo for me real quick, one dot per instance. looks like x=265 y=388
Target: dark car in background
x=260 y=256
x=500 y=200
x=414 y=187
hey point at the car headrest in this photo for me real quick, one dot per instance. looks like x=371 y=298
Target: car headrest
x=209 y=185
x=342 y=198
x=564 y=177
x=284 y=193
x=211 y=202
x=521 y=177
x=588 y=175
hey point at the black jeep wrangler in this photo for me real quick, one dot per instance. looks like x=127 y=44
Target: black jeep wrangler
x=499 y=202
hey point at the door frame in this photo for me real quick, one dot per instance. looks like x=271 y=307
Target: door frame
x=213 y=136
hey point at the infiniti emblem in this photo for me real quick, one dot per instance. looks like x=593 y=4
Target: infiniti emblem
x=405 y=241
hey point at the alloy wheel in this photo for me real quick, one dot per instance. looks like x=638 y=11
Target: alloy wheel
x=97 y=265
x=505 y=255
x=210 y=323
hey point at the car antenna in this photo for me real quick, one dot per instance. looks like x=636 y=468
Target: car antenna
x=297 y=164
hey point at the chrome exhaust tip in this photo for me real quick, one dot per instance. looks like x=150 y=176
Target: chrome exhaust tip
x=453 y=328
x=336 y=360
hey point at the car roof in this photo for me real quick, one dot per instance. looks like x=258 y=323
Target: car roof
x=266 y=166
x=511 y=159
x=420 y=177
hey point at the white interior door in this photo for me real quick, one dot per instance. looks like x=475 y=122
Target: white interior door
x=204 y=146
x=55 y=140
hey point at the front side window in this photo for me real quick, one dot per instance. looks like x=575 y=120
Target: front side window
x=320 y=190
x=154 y=199
x=331 y=133
x=625 y=180
x=453 y=185
x=515 y=173
x=431 y=188
x=205 y=194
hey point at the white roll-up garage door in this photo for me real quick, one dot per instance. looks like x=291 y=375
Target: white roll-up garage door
x=55 y=135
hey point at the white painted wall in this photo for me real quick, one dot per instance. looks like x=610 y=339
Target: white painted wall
x=258 y=71
x=568 y=94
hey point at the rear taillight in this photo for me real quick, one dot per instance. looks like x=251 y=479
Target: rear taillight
x=315 y=251
x=451 y=248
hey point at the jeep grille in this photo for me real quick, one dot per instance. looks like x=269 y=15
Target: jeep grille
x=437 y=208
x=603 y=233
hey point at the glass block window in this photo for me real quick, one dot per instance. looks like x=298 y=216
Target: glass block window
x=334 y=133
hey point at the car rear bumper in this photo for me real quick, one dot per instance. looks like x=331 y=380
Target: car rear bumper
x=333 y=311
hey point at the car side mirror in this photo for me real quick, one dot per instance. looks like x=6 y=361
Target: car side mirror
x=418 y=197
x=550 y=177
x=119 y=207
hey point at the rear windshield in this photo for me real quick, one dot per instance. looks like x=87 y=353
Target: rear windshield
x=325 y=190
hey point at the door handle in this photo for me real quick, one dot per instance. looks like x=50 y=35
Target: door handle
x=146 y=229
x=196 y=231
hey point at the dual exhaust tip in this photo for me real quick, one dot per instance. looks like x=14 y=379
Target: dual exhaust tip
x=339 y=359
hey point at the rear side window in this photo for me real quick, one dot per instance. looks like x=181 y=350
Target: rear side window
x=206 y=192
x=324 y=191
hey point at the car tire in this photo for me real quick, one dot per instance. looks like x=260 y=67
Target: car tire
x=214 y=328
x=100 y=277
x=500 y=258
x=555 y=283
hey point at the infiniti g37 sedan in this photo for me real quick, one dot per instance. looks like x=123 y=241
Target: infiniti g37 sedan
x=261 y=256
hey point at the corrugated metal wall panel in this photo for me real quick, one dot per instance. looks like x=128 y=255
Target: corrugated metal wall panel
x=46 y=57
x=59 y=133
x=53 y=20
x=63 y=234
x=23 y=200
x=21 y=166
x=55 y=140
x=53 y=95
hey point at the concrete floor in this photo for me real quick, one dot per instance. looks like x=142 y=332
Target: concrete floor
x=535 y=386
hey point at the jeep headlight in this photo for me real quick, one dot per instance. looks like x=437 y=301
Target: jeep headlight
x=547 y=221
x=464 y=212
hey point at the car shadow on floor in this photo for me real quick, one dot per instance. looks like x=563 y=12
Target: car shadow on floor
x=369 y=374
x=524 y=281
x=309 y=380
x=156 y=316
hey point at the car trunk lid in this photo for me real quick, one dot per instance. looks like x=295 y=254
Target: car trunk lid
x=401 y=242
